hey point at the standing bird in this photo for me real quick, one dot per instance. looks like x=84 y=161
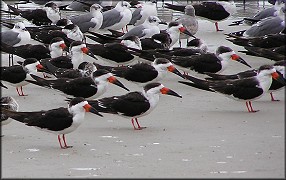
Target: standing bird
x=212 y=11
x=246 y=89
x=118 y=17
x=59 y=121
x=142 y=12
x=50 y=14
x=9 y=103
x=189 y=21
x=90 y=21
x=134 y=104
x=16 y=75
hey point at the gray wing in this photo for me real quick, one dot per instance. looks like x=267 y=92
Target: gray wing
x=272 y=25
x=136 y=31
x=135 y=16
x=110 y=18
x=10 y=37
x=265 y=13
x=83 y=22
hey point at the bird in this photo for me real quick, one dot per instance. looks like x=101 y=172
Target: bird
x=59 y=121
x=16 y=36
x=143 y=73
x=144 y=30
x=275 y=85
x=38 y=51
x=265 y=13
x=275 y=54
x=246 y=89
x=90 y=21
x=134 y=104
x=47 y=15
x=142 y=12
x=118 y=17
x=8 y=102
x=209 y=62
x=77 y=50
x=17 y=74
x=213 y=11
x=266 y=41
x=88 y=87
x=189 y=21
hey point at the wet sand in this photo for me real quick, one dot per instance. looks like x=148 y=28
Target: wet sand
x=202 y=135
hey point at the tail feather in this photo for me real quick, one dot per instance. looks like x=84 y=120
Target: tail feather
x=39 y=81
x=14 y=10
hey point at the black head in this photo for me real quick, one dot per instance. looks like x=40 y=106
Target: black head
x=194 y=42
x=56 y=39
x=52 y=5
x=151 y=85
x=82 y=65
x=70 y=26
x=99 y=73
x=75 y=101
x=76 y=43
x=265 y=67
x=280 y=63
x=161 y=61
x=62 y=22
x=173 y=23
x=223 y=49
x=29 y=61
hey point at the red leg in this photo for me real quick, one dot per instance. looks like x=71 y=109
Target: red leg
x=59 y=138
x=251 y=109
x=66 y=146
x=272 y=97
x=22 y=91
x=216 y=26
x=139 y=127
x=247 y=106
x=123 y=30
x=18 y=91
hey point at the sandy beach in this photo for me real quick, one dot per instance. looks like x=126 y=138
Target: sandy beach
x=202 y=135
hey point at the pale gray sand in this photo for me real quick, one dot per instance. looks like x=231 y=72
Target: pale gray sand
x=202 y=135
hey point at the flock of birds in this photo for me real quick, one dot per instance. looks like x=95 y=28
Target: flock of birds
x=57 y=62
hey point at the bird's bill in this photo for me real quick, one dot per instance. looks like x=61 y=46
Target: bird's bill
x=115 y=81
x=85 y=50
x=40 y=67
x=278 y=77
x=239 y=59
x=163 y=22
x=185 y=31
x=175 y=71
x=168 y=91
x=89 y=108
x=63 y=46
x=2 y=85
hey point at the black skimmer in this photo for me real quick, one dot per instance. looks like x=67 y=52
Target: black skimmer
x=213 y=11
x=118 y=17
x=246 y=89
x=60 y=121
x=90 y=21
x=88 y=87
x=134 y=104
x=276 y=54
x=209 y=62
x=9 y=103
x=266 y=41
x=142 y=73
x=142 y=12
x=50 y=14
x=77 y=51
x=38 y=51
x=275 y=85
x=16 y=75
